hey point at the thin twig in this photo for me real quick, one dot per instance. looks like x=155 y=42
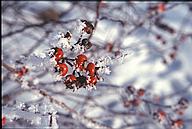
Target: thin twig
x=96 y=18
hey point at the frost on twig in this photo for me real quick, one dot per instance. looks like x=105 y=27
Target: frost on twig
x=41 y=115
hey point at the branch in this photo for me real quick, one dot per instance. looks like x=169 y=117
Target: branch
x=96 y=18
x=84 y=119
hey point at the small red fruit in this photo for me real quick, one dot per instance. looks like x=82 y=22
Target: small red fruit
x=162 y=115
x=159 y=115
x=178 y=123
x=3 y=120
x=58 y=54
x=63 y=69
x=161 y=7
x=141 y=92
x=172 y=55
x=91 y=69
x=158 y=37
x=71 y=78
x=22 y=71
x=92 y=80
x=136 y=102
x=80 y=60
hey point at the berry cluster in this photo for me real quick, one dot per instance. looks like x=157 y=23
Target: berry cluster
x=172 y=54
x=158 y=8
x=84 y=72
x=20 y=72
x=3 y=120
x=166 y=115
x=163 y=118
x=181 y=106
x=135 y=97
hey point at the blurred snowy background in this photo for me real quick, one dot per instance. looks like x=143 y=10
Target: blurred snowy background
x=161 y=67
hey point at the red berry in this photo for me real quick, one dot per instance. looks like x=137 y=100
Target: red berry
x=22 y=71
x=92 y=80
x=91 y=69
x=164 y=61
x=172 y=55
x=59 y=54
x=3 y=120
x=71 y=78
x=162 y=115
x=179 y=111
x=80 y=60
x=80 y=66
x=70 y=81
x=140 y=92
x=158 y=37
x=177 y=123
x=161 y=7
x=159 y=115
x=136 y=102
x=163 y=42
x=63 y=69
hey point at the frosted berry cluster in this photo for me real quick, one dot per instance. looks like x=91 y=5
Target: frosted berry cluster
x=70 y=60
